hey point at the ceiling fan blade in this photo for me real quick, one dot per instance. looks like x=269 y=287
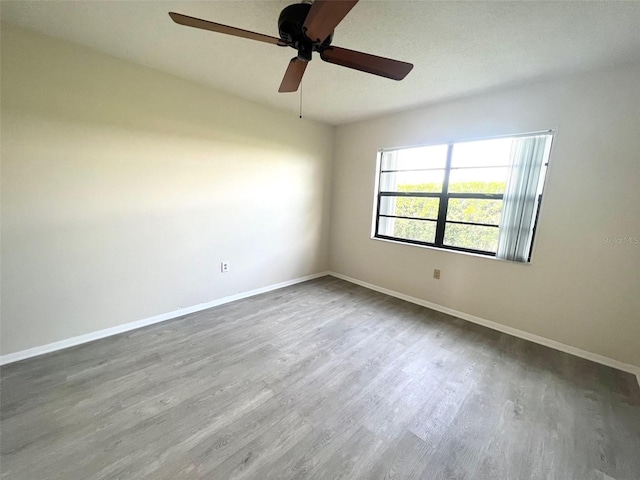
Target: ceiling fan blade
x=384 y=67
x=218 y=27
x=324 y=16
x=293 y=76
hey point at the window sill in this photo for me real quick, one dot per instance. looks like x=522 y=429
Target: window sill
x=445 y=250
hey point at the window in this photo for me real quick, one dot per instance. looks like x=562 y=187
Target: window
x=479 y=196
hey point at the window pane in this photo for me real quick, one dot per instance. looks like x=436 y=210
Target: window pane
x=415 y=158
x=420 y=230
x=484 y=153
x=474 y=210
x=427 y=181
x=478 y=180
x=471 y=236
x=410 y=207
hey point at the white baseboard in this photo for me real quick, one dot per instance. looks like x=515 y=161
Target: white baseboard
x=107 y=332
x=594 y=357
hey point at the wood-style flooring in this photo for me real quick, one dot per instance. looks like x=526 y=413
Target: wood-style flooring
x=320 y=380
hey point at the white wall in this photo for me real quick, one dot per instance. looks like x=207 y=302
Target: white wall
x=123 y=189
x=579 y=290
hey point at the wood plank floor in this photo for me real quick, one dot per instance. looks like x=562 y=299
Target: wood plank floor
x=320 y=380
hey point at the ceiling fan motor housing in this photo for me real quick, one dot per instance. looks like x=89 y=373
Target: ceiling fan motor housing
x=290 y=24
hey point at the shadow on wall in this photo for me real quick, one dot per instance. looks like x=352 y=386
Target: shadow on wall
x=82 y=85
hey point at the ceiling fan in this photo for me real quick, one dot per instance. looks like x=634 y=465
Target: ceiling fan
x=308 y=28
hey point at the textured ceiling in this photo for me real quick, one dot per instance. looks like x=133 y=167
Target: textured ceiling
x=458 y=48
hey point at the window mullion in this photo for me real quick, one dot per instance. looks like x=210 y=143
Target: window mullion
x=444 y=200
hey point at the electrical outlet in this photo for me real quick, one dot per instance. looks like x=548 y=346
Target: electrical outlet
x=224 y=267
x=436 y=274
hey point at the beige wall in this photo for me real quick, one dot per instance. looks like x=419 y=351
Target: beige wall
x=123 y=189
x=579 y=290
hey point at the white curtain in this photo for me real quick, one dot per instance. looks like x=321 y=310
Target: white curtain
x=519 y=207
x=388 y=183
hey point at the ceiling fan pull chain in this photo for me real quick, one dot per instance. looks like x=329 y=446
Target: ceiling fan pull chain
x=300 y=99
